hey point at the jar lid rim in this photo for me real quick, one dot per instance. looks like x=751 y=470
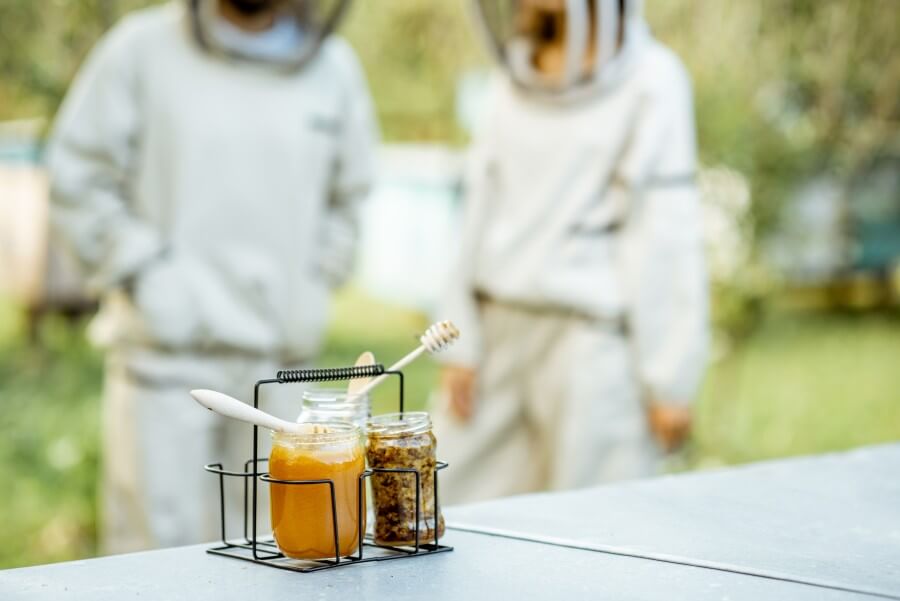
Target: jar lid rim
x=332 y=395
x=394 y=424
x=321 y=432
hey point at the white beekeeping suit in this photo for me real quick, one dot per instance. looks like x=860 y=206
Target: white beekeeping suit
x=581 y=290
x=208 y=180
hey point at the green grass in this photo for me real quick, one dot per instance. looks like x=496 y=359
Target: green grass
x=804 y=383
x=49 y=421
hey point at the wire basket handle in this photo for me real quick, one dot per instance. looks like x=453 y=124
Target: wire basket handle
x=329 y=374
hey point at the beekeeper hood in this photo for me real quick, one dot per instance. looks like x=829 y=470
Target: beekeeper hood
x=563 y=49
x=300 y=28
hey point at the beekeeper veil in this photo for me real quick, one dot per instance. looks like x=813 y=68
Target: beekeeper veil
x=299 y=30
x=563 y=49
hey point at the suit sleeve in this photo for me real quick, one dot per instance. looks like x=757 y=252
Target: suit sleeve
x=354 y=171
x=91 y=155
x=664 y=271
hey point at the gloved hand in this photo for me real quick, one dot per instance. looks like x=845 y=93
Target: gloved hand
x=458 y=383
x=669 y=423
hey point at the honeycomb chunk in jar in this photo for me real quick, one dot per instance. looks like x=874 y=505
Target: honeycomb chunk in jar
x=403 y=440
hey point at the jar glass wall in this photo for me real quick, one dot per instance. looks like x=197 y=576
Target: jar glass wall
x=403 y=440
x=301 y=513
x=332 y=404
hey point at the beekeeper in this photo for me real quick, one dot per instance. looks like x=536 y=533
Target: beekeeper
x=580 y=288
x=207 y=167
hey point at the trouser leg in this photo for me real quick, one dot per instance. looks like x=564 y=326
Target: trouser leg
x=156 y=440
x=123 y=516
x=598 y=431
x=490 y=455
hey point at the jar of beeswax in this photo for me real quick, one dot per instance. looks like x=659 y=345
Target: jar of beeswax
x=301 y=513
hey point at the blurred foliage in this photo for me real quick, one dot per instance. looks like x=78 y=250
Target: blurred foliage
x=413 y=52
x=41 y=46
x=785 y=89
x=49 y=441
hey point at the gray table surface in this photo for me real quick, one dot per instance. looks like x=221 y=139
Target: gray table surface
x=815 y=528
x=480 y=567
x=832 y=520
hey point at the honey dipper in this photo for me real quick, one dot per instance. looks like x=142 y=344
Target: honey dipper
x=435 y=339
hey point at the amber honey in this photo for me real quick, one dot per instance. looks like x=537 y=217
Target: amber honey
x=301 y=513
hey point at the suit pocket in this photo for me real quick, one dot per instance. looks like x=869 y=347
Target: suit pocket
x=227 y=301
x=238 y=293
x=165 y=311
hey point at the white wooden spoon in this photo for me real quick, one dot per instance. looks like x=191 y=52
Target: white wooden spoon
x=357 y=384
x=235 y=409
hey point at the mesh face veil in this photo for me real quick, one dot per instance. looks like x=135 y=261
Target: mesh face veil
x=561 y=49
x=303 y=25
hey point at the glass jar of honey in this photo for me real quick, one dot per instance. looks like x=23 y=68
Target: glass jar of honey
x=403 y=440
x=333 y=404
x=302 y=520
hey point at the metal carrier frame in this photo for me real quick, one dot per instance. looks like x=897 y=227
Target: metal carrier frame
x=265 y=551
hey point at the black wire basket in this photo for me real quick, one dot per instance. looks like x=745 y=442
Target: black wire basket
x=263 y=550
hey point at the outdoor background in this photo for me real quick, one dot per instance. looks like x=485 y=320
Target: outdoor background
x=798 y=108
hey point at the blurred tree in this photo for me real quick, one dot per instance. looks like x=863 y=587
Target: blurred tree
x=789 y=88
x=785 y=89
x=41 y=46
x=414 y=53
